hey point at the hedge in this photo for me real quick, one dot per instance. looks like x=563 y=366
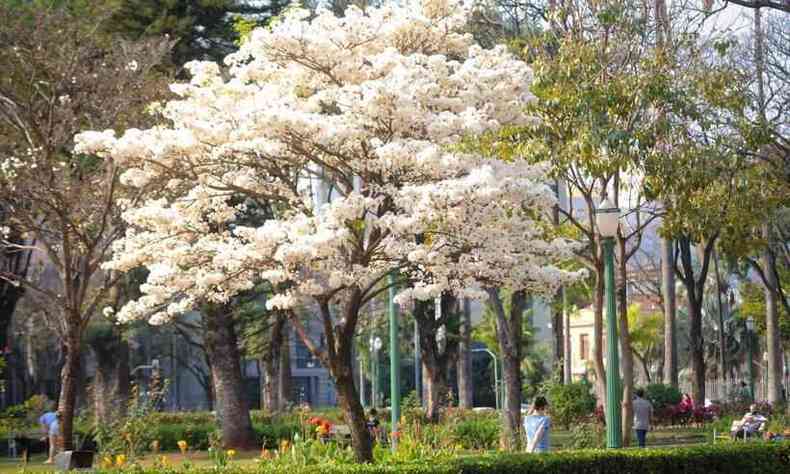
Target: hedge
x=725 y=458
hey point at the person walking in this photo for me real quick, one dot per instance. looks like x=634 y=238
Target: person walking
x=50 y=424
x=643 y=411
x=537 y=426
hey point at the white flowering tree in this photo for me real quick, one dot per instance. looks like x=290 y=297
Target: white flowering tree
x=371 y=105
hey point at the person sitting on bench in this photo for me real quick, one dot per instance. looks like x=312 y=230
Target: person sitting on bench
x=751 y=424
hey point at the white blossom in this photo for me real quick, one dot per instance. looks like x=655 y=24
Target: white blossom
x=381 y=98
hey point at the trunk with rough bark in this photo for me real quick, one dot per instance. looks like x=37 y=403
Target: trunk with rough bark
x=353 y=412
x=436 y=359
x=222 y=348
x=772 y=330
x=670 y=371
x=695 y=286
x=600 y=372
x=509 y=329
x=626 y=356
x=465 y=359
x=336 y=355
x=284 y=374
x=69 y=378
x=271 y=401
x=111 y=384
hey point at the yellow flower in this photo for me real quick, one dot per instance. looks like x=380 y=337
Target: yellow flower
x=284 y=445
x=106 y=462
x=164 y=461
x=183 y=446
x=231 y=453
x=120 y=460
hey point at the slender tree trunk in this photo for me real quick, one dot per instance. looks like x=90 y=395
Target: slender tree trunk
x=670 y=331
x=722 y=339
x=772 y=330
x=600 y=372
x=465 y=359
x=123 y=387
x=284 y=374
x=696 y=352
x=103 y=390
x=509 y=331
x=436 y=362
x=626 y=358
x=694 y=303
x=272 y=403
x=69 y=377
x=222 y=349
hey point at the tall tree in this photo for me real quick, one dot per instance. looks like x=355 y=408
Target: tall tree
x=202 y=29
x=61 y=75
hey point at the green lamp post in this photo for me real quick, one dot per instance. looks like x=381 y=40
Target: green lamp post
x=607 y=218
x=750 y=363
x=394 y=362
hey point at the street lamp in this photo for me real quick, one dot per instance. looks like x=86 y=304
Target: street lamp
x=496 y=374
x=375 y=347
x=749 y=337
x=607 y=218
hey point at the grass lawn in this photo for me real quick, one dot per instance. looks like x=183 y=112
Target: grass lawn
x=559 y=440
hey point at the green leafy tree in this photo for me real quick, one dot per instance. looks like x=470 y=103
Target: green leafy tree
x=647 y=333
x=203 y=29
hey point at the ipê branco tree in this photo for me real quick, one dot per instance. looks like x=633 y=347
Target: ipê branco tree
x=371 y=105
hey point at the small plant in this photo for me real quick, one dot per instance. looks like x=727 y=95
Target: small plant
x=587 y=436
x=571 y=402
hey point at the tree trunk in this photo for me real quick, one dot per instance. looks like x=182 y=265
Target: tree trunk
x=465 y=359
x=436 y=362
x=670 y=332
x=284 y=374
x=696 y=352
x=353 y=412
x=722 y=338
x=772 y=330
x=272 y=403
x=222 y=349
x=509 y=329
x=123 y=387
x=626 y=358
x=103 y=391
x=600 y=372
x=69 y=377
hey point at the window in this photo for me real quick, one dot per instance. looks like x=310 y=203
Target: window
x=584 y=347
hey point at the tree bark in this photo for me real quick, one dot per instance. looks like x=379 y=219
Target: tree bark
x=722 y=339
x=271 y=401
x=284 y=374
x=69 y=377
x=222 y=348
x=694 y=290
x=772 y=330
x=509 y=329
x=627 y=358
x=600 y=372
x=436 y=362
x=465 y=359
x=670 y=331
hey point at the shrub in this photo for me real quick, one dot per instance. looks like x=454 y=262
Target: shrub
x=662 y=396
x=723 y=458
x=570 y=402
x=477 y=433
x=587 y=436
